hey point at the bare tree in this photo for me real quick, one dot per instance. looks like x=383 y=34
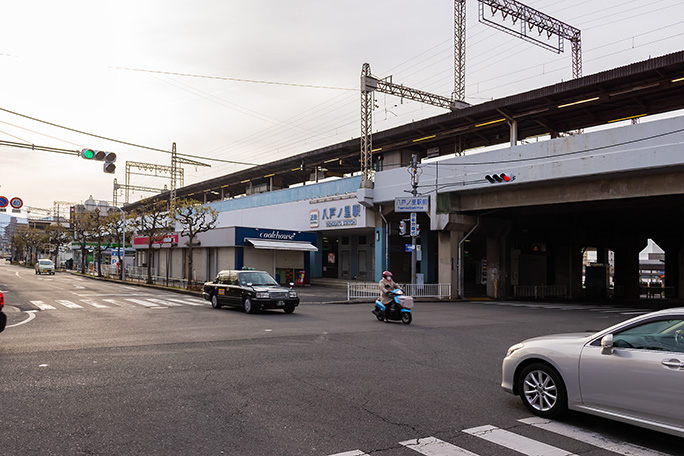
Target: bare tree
x=113 y=226
x=57 y=236
x=83 y=227
x=151 y=219
x=194 y=218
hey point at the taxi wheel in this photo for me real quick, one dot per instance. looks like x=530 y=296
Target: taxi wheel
x=289 y=309
x=247 y=305
x=214 y=302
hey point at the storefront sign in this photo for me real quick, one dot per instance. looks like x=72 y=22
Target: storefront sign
x=158 y=240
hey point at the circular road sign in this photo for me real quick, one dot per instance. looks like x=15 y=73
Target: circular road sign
x=16 y=202
x=3 y=201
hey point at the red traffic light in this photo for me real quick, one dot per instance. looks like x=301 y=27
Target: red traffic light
x=499 y=178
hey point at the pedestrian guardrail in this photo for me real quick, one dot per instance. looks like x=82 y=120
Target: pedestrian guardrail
x=372 y=291
x=540 y=291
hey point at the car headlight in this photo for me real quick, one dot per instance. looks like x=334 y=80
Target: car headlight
x=514 y=349
x=292 y=294
x=262 y=295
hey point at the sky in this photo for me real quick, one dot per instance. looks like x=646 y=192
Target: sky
x=257 y=81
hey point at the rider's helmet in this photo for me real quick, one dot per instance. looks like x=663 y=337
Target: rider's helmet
x=387 y=274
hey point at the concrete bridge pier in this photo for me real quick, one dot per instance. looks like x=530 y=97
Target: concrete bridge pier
x=627 y=248
x=452 y=230
x=674 y=258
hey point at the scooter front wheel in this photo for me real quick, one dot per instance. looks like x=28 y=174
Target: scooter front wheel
x=406 y=318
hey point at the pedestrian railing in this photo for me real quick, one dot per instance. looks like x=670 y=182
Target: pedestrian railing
x=540 y=291
x=371 y=290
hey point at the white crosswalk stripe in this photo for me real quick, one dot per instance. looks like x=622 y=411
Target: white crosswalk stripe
x=515 y=442
x=142 y=302
x=69 y=304
x=164 y=302
x=592 y=438
x=42 y=306
x=189 y=302
x=97 y=305
x=431 y=446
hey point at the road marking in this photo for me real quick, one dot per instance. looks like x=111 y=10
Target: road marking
x=90 y=302
x=164 y=303
x=42 y=306
x=186 y=301
x=592 y=438
x=516 y=442
x=32 y=315
x=118 y=303
x=141 y=302
x=351 y=453
x=432 y=446
x=69 y=304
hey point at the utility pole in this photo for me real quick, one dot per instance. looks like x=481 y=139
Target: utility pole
x=414 y=226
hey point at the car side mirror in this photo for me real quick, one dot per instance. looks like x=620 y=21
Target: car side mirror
x=607 y=344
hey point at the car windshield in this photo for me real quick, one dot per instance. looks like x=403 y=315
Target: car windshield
x=257 y=278
x=45 y=263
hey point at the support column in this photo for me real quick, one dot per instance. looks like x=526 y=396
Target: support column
x=627 y=268
x=380 y=241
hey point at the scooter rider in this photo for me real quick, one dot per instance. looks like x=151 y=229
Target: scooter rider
x=386 y=285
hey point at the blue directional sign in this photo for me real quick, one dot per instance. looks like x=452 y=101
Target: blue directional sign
x=412 y=204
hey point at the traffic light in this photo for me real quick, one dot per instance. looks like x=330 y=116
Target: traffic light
x=499 y=178
x=109 y=167
x=100 y=155
x=402 y=228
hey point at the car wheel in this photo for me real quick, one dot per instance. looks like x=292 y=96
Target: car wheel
x=542 y=391
x=289 y=309
x=247 y=305
x=214 y=302
x=406 y=318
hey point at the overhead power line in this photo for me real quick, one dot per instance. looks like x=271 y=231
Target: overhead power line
x=115 y=141
x=224 y=78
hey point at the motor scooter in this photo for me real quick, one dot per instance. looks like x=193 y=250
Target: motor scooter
x=401 y=310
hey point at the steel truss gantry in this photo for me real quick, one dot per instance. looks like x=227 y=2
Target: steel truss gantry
x=531 y=19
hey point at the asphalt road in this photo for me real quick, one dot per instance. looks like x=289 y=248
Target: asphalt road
x=118 y=369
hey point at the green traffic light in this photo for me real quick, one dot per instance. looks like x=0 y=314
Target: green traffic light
x=88 y=153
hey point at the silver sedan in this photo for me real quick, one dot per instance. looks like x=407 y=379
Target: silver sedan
x=631 y=372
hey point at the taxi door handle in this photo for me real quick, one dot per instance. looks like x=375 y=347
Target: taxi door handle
x=673 y=363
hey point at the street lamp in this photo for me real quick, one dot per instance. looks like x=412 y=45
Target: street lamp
x=90 y=205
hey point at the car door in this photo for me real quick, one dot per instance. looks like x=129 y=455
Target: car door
x=222 y=291
x=644 y=374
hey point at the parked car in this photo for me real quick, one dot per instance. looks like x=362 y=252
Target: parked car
x=631 y=372
x=251 y=290
x=3 y=317
x=45 y=266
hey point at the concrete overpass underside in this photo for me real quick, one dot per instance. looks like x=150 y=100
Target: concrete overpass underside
x=535 y=236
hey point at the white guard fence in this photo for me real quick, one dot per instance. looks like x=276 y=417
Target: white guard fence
x=139 y=274
x=371 y=290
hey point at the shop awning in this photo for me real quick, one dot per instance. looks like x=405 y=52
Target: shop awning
x=272 y=244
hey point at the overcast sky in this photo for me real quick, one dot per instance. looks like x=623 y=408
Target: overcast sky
x=76 y=64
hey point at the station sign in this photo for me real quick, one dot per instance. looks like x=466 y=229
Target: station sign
x=412 y=204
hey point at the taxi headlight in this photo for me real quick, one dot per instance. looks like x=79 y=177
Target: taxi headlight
x=262 y=295
x=292 y=294
x=514 y=349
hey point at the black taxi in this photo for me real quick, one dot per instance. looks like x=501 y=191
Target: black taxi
x=251 y=290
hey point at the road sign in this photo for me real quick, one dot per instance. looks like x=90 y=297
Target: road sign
x=16 y=203
x=412 y=204
x=414 y=224
x=3 y=201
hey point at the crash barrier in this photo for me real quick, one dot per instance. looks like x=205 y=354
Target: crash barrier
x=540 y=291
x=371 y=290
x=139 y=274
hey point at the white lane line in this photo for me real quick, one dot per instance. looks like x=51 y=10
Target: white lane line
x=351 y=453
x=164 y=303
x=432 y=446
x=187 y=301
x=69 y=304
x=516 y=442
x=592 y=438
x=141 y=302
x=42 y=306
x=32 y=315
x=91 y=302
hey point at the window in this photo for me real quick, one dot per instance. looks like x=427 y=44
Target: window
x=659 y=335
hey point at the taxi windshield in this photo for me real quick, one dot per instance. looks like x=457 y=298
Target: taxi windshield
x=257 y=278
